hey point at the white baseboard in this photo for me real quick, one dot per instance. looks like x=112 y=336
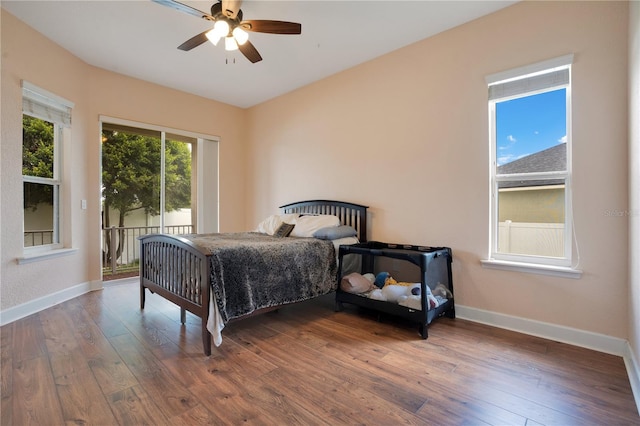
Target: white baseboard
x=633 y=370
x=36 y=305
x=558 y=333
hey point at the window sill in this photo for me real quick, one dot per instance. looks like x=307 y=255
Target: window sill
x=532 y=268
x=45 y=255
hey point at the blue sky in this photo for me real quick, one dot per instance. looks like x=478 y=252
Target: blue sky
x=529 y=125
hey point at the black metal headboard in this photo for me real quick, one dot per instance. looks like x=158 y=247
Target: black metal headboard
x=351 y=214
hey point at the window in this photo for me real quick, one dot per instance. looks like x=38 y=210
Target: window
x=530 y=169
x=44 y=121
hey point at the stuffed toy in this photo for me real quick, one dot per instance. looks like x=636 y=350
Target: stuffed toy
x=383 y=279
x=404 y=293
x=357 y=284
x=392 y=292
x=414 y=301
x=442 y=291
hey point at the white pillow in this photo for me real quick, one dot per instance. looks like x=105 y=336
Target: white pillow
x=308 y=224
x=273 y=222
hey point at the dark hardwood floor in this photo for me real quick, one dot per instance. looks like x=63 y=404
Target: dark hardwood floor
x=98 y=359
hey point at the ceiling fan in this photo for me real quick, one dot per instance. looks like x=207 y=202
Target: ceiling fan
x=228 y=24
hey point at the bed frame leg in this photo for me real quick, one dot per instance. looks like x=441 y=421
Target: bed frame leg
x=206 y=339
x=424 y=330
x=183 y=316
x=142 y=295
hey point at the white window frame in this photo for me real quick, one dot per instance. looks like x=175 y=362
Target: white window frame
x=522 y=82
x=44 y=105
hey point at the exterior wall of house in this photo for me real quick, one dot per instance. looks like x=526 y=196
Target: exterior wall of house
x=634 y=191
x=531 y=205
x=407 y=134
x=27 y=55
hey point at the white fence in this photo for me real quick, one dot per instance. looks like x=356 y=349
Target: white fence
x=536 y=239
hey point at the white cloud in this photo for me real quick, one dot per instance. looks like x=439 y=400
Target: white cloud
x=511 y=138
x=504 y=159
x=507 y=158
x=563 y=139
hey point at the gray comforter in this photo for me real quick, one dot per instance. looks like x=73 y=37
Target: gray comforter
x=250 y=270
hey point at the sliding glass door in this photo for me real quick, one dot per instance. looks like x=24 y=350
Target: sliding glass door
x=149 y=185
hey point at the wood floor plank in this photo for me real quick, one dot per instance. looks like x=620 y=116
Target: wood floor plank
x=65 y=354
x=82 y=400
x=167 y=392
x=34 y=401
x=132 y=406
x=111 y=373
x=276 y=406
x=6 y=374
x=110 y=325
x=446 y=403
x=229 y=405
x=314 y=390
x=504 y=376
x=146 y=329
x=100 y=359
x=28 y=339
x=198 y=415
x=333 y=371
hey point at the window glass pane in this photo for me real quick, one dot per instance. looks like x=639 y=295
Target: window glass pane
x=178 y=184
x=130 y=177
x=37 y=147
x=528 y=126
x=130 y=192
x=531 y=138
x=39 y=215
x=531 y=218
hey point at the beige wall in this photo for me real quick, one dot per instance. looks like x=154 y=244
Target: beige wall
x=634 y=190
x=407 y=134
x=27 y=55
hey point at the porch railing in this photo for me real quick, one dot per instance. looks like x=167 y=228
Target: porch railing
x=120 y=246
x=38 y=238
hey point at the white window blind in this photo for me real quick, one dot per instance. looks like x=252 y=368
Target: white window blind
x=530 y=78
x=45 y=105
x=536 y=83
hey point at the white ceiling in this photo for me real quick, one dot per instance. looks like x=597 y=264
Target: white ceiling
x=139 y=38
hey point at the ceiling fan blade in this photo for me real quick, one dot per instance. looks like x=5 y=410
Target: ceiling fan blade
x=185 y=9
x=230 y=8
x=271 y=27
x=250 y=52
x=194 y=41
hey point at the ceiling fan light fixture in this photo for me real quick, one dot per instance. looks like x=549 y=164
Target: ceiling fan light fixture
x=221 y=28
x=230 y=44
x=213 y=37
x=240 y=35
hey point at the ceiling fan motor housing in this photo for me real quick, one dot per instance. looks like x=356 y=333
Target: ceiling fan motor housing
x=218 y=15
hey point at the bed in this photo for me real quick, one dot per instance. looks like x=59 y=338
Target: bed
x=226 y=276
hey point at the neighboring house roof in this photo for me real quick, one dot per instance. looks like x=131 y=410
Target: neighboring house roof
x=550 y=160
